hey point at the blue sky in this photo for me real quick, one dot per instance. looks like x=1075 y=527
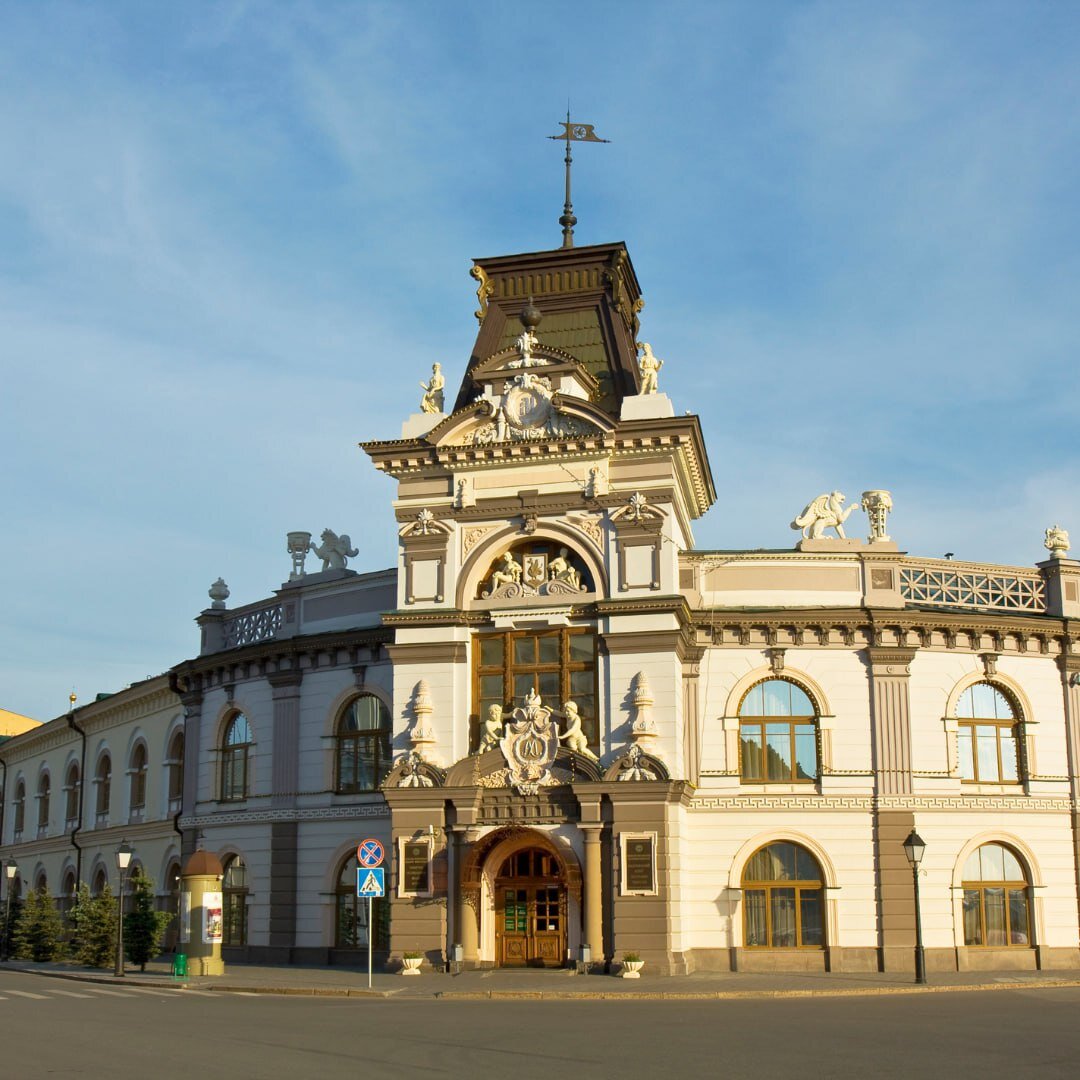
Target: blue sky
x=234 y=236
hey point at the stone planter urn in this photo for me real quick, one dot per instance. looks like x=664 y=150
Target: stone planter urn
x=411 y=965
x=631 y=969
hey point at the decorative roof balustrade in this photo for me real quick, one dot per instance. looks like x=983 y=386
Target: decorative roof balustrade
x=944 y=584
x=250 y=625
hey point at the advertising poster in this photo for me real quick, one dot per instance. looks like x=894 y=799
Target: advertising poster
x=185 y=917
x=213 y=925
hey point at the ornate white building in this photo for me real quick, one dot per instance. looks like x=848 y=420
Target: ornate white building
x=572 y=729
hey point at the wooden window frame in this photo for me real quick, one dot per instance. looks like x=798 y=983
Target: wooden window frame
x=800 y=886
x=564 y=667
x=352 y=741
x=1013 y=726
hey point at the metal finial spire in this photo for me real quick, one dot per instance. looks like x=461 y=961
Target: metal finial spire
x=572 y=133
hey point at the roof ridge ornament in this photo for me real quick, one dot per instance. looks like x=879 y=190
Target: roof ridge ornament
x=572 y=133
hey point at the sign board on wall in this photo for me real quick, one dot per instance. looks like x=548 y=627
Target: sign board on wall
x=638 y=864
x=414 y=862
x=213 y=923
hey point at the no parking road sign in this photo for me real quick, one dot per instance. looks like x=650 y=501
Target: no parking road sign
x=371 y=882
x=370 y=853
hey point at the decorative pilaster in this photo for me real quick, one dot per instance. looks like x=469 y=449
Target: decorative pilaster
x=890 y=718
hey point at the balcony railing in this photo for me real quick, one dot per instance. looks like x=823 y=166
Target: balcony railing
x=972 y=587
x=246 y=627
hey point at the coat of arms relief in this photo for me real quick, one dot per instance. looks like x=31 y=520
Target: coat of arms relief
x=537 y=574
x=527 y=410
x=529 y=745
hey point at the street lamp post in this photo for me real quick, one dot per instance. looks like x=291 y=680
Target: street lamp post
x=123 y=861
x=914 y=847
x=9 y=872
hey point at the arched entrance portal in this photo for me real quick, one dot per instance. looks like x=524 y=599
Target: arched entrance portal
x=530 y=910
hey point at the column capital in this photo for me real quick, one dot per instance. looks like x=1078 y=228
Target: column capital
x=890 y=660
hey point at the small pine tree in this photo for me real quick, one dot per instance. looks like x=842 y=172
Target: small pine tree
x=93 y=919
x=39 y=933
x=143 y=926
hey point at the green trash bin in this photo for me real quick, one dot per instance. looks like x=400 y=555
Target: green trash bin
x=179 y=966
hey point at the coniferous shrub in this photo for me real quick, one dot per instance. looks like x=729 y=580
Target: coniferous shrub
x=144 y=927
x=93 y=921
x=39 y=932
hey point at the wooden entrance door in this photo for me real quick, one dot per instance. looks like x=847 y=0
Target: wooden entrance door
x=530 y=911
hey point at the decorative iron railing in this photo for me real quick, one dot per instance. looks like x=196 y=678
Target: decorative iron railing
x=968 y=587
x=248 y=627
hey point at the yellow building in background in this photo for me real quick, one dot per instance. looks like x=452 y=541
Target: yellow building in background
x=11 y=723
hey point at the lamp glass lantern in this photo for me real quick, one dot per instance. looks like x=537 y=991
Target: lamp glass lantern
x=914 y=848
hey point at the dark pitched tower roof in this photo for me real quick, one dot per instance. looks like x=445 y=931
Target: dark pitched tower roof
x=590 y=300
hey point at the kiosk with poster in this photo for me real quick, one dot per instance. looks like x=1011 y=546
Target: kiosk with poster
x=201 y=922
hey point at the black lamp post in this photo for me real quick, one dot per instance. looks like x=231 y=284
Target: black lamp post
x=123 y=861
x=914 y=847
x=9 y=872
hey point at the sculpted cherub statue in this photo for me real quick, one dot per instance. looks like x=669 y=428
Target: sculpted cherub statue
x=506 y=572
x=573 y=736
x=432 y=401
x=649 y=366
x=559 y=569
x=491 y=728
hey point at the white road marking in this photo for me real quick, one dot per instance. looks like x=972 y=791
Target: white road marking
x=156 y=993
x=26 y=994
x=110 y=993
x=69 y=993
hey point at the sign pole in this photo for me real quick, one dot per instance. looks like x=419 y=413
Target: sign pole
x=369 y=928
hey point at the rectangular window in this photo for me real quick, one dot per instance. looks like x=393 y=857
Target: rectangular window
x=757 y=929
x=778 y=751
x=559 y=665
x=234 y=774
x=988 y=753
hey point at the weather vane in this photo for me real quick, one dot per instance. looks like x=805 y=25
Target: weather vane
x=573 y=133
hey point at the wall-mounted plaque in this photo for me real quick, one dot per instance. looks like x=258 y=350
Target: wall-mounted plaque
x=638 y=863
x=415 y=877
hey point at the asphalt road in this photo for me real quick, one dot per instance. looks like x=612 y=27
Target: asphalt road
x=52 y=1027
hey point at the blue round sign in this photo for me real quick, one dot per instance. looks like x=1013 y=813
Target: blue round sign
x=370 y=853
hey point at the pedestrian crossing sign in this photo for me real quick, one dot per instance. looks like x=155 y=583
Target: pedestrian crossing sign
x=370 y=881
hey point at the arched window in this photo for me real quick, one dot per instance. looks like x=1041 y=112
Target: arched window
x=363 y=745
x=782 y=899
x=72 y=790
x=43 y=792
x=174 y=763
x=778 y=734
x=137 y=778
x=234 y=759
x=68 y=889
x=988 y=731
x=41 y=883
x=103 y=780
x=20 y=808
x=997 y=911
x=234 y=898
x=350 y=926
x=100 y=881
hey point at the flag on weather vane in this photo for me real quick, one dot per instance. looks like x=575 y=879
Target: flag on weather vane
x=572 y=133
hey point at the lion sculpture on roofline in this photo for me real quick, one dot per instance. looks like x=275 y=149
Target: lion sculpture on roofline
x=335 y=550
x=825 y=512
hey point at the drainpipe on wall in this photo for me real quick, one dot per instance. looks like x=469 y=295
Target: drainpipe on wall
x=82 y=787
x=3 y=799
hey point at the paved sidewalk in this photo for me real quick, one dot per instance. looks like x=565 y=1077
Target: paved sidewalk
x=552 y=985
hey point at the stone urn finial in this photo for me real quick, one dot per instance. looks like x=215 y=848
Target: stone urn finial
x=218 y=593
x=422 y=737
x=1057 y=542
x=643 y=728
